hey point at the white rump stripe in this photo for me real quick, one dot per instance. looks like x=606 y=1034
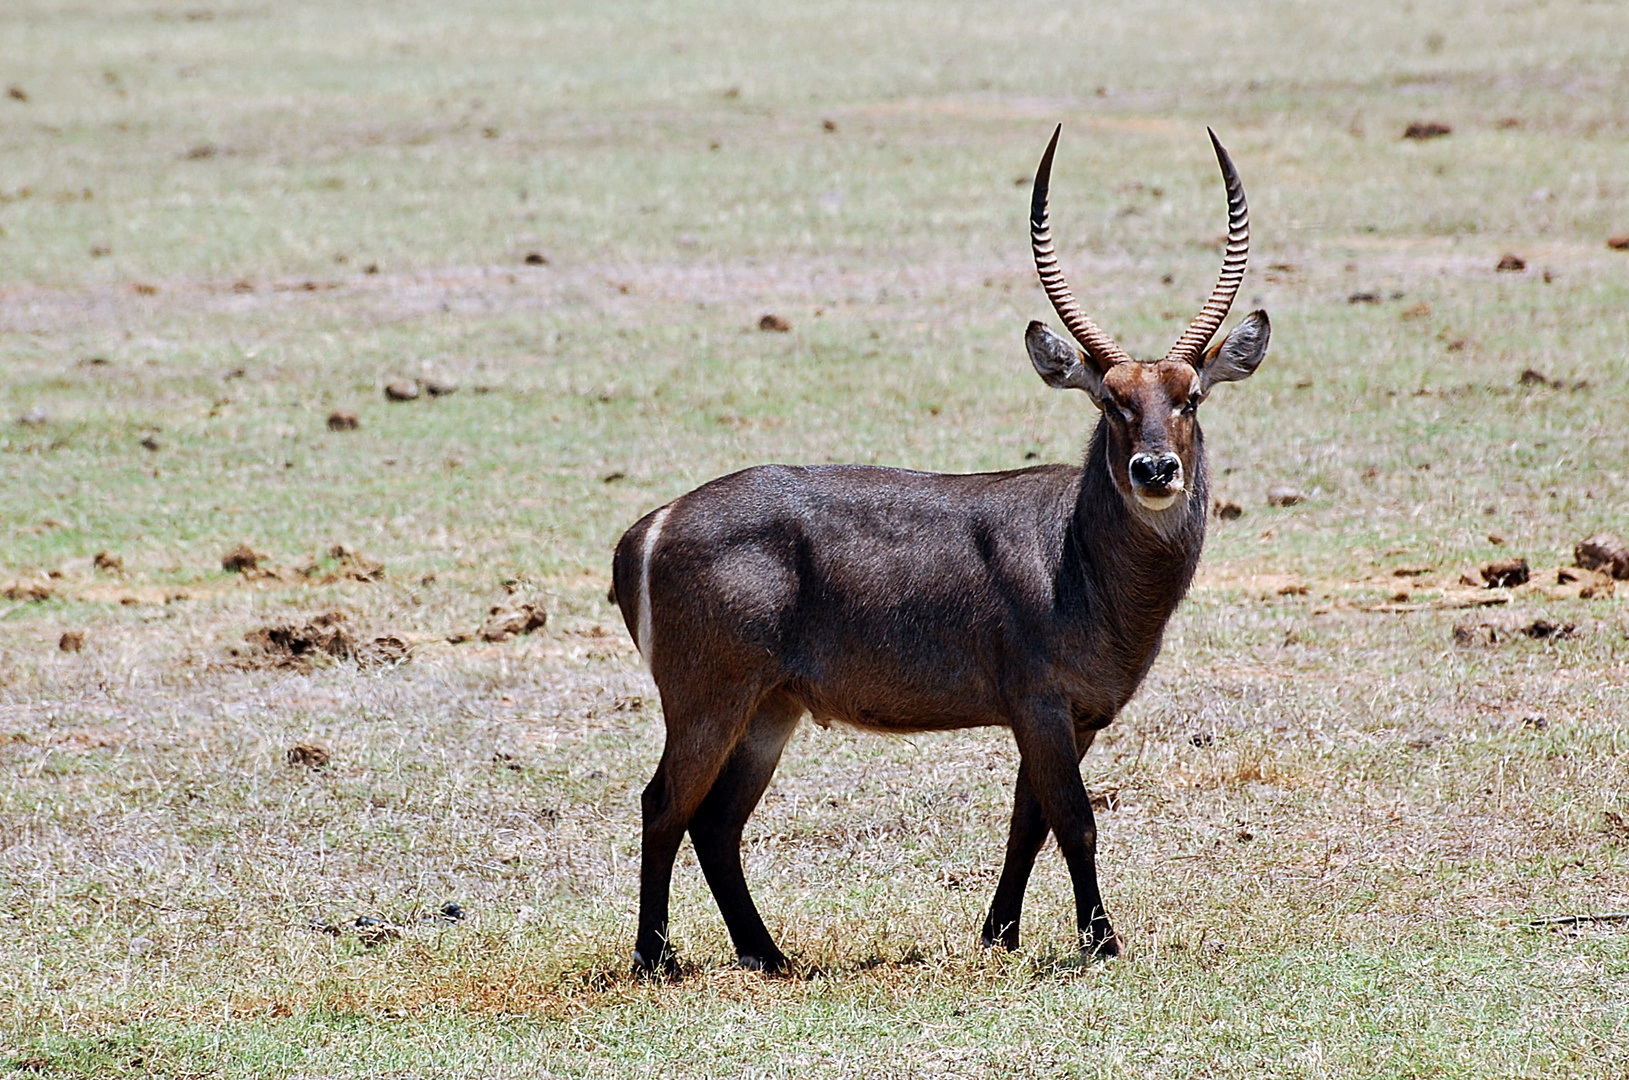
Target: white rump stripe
x=652 y=534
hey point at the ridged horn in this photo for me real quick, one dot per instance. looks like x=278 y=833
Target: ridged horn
x=1100 y=348
x=1209 y=320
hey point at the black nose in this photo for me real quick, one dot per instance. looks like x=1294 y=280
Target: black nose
x=1154 y=470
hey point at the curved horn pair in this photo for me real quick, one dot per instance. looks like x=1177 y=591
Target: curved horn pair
x=1099 y=347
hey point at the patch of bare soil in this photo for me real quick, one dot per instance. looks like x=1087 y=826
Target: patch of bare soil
x=353 y=566
x=1487 y=633
x=300 y=647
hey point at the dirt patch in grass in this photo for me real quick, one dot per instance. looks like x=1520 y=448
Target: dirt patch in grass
x=321 y=639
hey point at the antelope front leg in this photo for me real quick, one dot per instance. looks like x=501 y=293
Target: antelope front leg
x=1050 y=758
x=1025 y=835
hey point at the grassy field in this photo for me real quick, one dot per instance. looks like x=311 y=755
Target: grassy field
x=1327 y=825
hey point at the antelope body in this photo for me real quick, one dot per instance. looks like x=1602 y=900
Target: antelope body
x=904 y=601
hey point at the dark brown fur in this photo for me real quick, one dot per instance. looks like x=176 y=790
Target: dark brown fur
x=902 y=601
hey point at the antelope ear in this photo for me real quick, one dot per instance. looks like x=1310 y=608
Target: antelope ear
x=1239 y=354
x=1060 y=364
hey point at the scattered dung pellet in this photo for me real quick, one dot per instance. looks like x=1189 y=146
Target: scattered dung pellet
x=1427 y=129
x=241 y=558
x=343 y=420
x=35 y=592
x=774 y=324
x=1511 y=263
x=1363 y=298
x=440 y=387
x=1505 y=573
x=828 y=125
x=402 y=390
x=309 y=755
x=371 y=931
x=16 y=93
x=71 y=641
x=504 y=623
x=1497 y=539
x=1605 y=552
x=150 y=443
x=1619 y=242
x=108 y=562
x=1229 y=511
x=1544 y=630
x=1284 y=495
x=613 y=477
x=536 y=258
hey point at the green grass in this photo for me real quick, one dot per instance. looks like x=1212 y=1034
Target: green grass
x=1336 y=884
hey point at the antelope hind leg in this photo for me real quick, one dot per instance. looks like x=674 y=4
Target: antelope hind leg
x=717 y=826
x=698 y=745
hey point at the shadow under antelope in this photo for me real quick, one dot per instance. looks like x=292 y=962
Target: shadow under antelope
x=902 y=601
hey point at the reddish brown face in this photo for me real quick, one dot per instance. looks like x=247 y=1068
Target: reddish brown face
x=1152 y=411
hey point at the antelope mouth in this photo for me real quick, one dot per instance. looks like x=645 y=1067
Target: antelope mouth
x=1158 y=498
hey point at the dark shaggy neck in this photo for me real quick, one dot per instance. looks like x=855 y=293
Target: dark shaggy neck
x=1135 y=570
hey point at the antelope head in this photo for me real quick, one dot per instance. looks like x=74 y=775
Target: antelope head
x=1150 y=408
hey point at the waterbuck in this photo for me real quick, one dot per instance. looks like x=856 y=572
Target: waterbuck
x=902 y=601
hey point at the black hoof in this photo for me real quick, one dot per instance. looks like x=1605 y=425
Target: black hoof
x=1106 y=948
x=1006 y=939
x=773 y=964
x=664 y=966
